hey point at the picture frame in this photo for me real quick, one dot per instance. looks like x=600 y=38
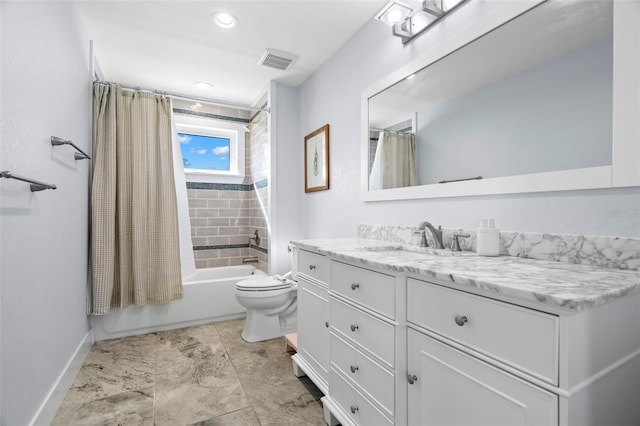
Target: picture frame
x=316 y=160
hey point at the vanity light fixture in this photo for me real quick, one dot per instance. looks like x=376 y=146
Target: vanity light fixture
x=408 y=22
x=224 y=19
x=394 y=12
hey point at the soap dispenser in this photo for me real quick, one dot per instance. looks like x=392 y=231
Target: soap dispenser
x=488 y=241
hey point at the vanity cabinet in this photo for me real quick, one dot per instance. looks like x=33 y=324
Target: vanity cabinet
x=395 y=347
x=312 y=358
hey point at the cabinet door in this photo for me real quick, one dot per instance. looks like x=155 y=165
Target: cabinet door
x=451 y=387
x=313 y=326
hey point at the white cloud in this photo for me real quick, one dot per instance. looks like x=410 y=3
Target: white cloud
x=201 y=151
x=220 y=150
x=185 y=139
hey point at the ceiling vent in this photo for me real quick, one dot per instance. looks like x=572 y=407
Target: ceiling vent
x=277 y=59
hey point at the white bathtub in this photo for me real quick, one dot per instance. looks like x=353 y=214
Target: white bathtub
x=208 y=296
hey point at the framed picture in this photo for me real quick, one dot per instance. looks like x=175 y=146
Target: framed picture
x=316 y=160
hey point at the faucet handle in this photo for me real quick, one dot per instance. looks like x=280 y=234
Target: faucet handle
x=423 y=237
x=455 y=243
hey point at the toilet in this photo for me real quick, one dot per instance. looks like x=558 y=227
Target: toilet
x=271 y=304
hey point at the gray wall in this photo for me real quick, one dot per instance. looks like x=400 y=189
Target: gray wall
x=45 y=91
x=332 y=95
x=556 y=116
x=286 y=155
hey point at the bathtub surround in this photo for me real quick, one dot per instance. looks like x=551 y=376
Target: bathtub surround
x=224 y=215
x=200 y=375
x=599 y=251
x=135 y=248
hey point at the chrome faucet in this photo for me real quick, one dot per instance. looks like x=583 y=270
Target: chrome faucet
x=437 y=234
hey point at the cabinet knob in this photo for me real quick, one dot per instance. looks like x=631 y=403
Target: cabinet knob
x=326 y=324
x=355 y=286
x=354 y=327
x=354 y=368
x=312 y=267
x=412 y=378
x=354 y=409
x=461 y=320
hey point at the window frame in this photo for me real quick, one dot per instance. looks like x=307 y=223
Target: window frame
x=208 y=127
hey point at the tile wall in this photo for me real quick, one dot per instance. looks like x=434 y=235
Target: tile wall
x=224 y=216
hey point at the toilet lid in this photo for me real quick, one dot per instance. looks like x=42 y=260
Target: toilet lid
x=263 y=284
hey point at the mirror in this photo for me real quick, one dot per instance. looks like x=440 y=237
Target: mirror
x=495 y=116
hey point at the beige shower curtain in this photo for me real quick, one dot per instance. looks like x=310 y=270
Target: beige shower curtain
x=135 y=254
x=395 y=164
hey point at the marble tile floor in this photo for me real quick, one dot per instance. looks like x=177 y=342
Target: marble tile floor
x=204 y=375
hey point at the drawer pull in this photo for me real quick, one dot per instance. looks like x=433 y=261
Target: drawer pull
x=412 y=378
x=355 y=286
x=312 y=267
x=354 y=409
x=354 y=327
x=326 y=324
x=461 y=320
x=354 y=368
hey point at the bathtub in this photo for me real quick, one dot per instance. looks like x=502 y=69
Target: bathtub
x=208 y=296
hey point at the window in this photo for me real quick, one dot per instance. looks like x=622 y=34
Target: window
x=205 y=152
x=212 y=151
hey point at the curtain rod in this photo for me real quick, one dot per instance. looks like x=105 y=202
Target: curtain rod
x=187 y=97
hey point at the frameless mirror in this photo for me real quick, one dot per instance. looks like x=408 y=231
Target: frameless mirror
x=532 y=97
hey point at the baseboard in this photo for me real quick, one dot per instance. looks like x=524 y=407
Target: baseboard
x=49 y=408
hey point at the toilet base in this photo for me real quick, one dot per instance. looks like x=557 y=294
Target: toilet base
x=259 y=327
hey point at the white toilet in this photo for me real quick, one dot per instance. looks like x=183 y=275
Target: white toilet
x=271 y=304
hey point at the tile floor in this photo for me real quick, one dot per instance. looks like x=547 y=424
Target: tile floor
x=204 y=375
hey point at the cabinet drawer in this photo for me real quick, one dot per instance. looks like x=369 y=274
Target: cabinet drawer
x=369 y=376
x=373 y=334
x=355 y=405
x=523 y=338
x=313 y=265
x=371 y=289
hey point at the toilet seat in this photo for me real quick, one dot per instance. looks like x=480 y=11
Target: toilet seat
x=263 y=284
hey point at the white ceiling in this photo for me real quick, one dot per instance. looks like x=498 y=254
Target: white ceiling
x=169 y=45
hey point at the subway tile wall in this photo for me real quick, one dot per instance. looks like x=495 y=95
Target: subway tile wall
x=225 y=216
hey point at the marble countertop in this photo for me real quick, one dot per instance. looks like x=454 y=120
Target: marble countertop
x=558 y=285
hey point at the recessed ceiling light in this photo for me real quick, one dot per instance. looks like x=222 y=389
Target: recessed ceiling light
x=224 y=19
x=203 y=85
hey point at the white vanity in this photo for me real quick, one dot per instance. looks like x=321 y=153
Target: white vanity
x=393 y=334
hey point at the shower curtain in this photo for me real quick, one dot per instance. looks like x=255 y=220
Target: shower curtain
x=395 y=163
x=135 y=256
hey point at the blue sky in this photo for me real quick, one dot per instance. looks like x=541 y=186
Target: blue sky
x=204 y=152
